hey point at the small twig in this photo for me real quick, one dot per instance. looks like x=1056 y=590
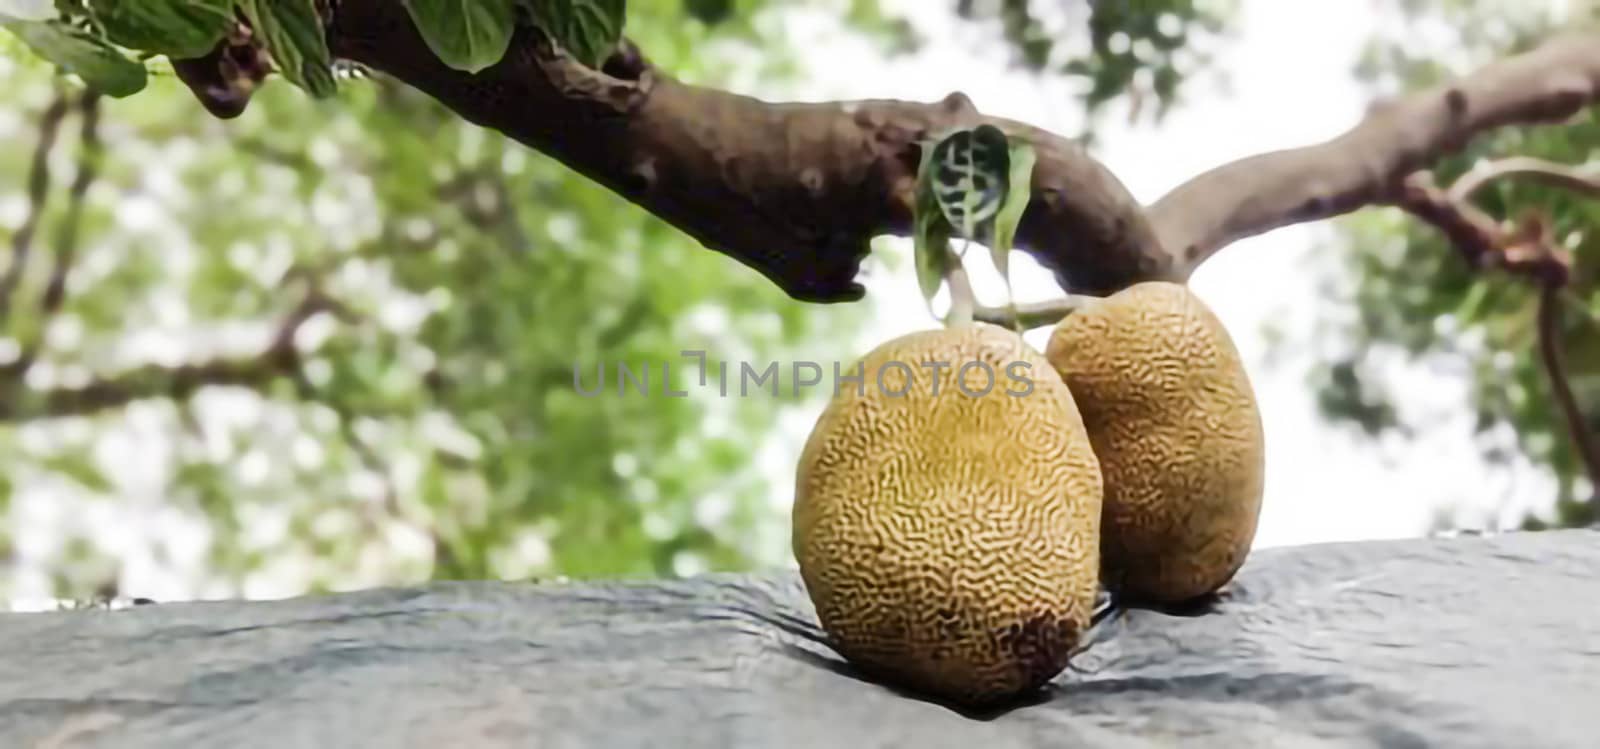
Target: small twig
x=66 y=241
x=38 y=193
x=1472 y=232
x=1529 y=250
x=1560 y=383
x=88 y=170
x=1584 y=180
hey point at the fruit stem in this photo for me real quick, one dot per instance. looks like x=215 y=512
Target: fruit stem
x=1030 y=315
x=963 y=300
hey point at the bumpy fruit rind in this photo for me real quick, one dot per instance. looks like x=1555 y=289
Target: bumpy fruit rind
x=949 y=541
x=1175 y=424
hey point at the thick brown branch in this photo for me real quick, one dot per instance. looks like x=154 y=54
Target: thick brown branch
x=794 y=190
x=797 y=191
x=1257 y=194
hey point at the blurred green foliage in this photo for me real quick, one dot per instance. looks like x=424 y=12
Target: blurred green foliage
x=1138 y=49
x=1411 y=292
x=428 y=426
x=437 y=431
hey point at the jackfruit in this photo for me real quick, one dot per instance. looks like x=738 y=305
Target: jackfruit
x=1170 y=410
x=946 y=516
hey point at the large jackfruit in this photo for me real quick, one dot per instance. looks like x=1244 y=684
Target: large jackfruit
x=947 y=530
x=1175 y=425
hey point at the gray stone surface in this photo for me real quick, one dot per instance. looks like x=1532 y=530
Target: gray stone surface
x=1469 y=642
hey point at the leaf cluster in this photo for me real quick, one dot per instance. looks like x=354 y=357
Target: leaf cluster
x=106 y=42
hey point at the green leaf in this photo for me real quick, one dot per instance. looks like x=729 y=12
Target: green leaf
x=932 y=250
x=293 y=34
x=930 y=231
x=1015 y=202
x=175 y=28
x=589 y=29
x=94 y=60
x=467 y=35
x=970 y=168
x=1472 y=304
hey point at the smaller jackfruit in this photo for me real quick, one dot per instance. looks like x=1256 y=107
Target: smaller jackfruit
x=1175 y=424
x=946 y=516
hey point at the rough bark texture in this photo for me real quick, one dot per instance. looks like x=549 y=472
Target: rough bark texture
x=796 y=191
x=1364 y=166
x=1459 y=643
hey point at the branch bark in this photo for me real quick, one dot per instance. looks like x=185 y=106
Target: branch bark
x=794 y=190
x=1548 y=84
x=797 y=191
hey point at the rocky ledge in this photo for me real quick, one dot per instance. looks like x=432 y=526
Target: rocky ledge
x=1462 y=642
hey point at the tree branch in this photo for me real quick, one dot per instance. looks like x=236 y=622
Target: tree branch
x=38 y=193
x=1254 y=195
x=797 y=191
x=88 y=168
x=1583 y=441
x=1528 y=250
x=1475 y=234
x=1370 y=163
x=1584 y=180
x=66 y=244
x=278 y=359
x=794 y=190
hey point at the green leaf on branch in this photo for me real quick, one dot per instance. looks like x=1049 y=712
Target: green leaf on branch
x=932 y=255
x=293 y=34
x=588 y=29
x=964 y=189
x=175 y=28
x=467 y=35
x=99 y=64
x=970 y=170
x=931 y=233
x=1019 y=191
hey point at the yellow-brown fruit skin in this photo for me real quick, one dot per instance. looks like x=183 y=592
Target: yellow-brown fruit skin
x=1175 y=424
x=949 y=542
